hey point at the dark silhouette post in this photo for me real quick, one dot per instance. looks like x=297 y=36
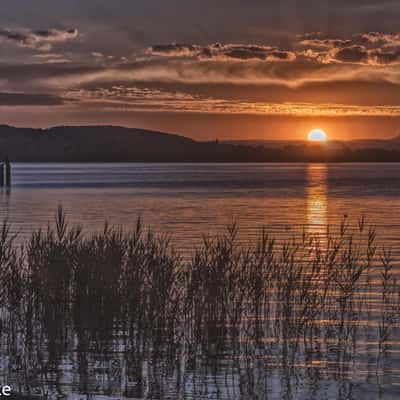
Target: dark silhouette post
x=2 y=174
x=8 y=172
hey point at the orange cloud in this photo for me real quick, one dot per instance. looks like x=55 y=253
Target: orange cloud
x=154 y=100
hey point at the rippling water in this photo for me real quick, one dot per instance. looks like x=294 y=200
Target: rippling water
x=188 y=201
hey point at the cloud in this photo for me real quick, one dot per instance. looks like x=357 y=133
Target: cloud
x=317 y=41
x=220 y=52
x=97 y=54
x=320 y=60
x=27 y=99
x=380 y=39
x=352 y=54
x=41 y=40
x=373 y=48
x=51 y=58
x=175 y=50
x=124 y=98
x=386 y=57
x=57 y=77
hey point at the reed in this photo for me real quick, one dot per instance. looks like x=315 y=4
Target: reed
x=301 y=300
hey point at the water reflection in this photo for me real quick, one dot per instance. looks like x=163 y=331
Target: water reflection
x=189 y=200
x=317 y=199
x=109 y=320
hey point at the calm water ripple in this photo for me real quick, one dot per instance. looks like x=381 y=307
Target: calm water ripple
x=188 y=201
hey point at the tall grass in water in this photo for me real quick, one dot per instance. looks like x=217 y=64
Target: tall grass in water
x=301 y=301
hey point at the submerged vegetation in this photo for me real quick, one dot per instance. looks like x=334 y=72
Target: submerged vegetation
x=307 y=306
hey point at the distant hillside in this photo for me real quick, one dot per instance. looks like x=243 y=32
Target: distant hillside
x=113 y=144
x=396 y=139
x=387 y=144
x=119 y=144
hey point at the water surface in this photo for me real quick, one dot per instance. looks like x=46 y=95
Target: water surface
x=188 y=201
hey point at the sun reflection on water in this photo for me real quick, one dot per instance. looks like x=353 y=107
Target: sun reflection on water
x=317 y=199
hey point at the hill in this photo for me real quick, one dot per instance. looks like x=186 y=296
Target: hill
x=114 y=144
x=119 y=144
x=385 y=144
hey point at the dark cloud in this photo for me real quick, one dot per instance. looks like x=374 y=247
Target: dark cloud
x=40 y=39
x=352 y=54
x=386 y=57
x=219 y=51
x=175 y=50
x=325 y=43
x=379 y=39
x=189 y=21
x=372 y=48
x=370 y=40
x=26 y=99
x=33 y=74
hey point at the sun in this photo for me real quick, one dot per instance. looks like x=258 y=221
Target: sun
x=317 y=135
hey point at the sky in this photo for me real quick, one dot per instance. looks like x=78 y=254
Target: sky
x=254 y=69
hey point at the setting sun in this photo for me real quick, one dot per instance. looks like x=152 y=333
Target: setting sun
x=317 y=135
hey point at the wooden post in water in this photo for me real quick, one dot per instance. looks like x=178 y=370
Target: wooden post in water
x=8 y=172
x=1 y=174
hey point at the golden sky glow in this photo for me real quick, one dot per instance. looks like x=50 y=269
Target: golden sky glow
x=129 y=65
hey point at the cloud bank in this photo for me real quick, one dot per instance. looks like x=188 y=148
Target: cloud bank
x=137 y=80
x=222 y=52
x=371 y=48
x=41 y=40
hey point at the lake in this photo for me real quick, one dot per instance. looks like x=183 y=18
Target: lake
x=189 y=201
